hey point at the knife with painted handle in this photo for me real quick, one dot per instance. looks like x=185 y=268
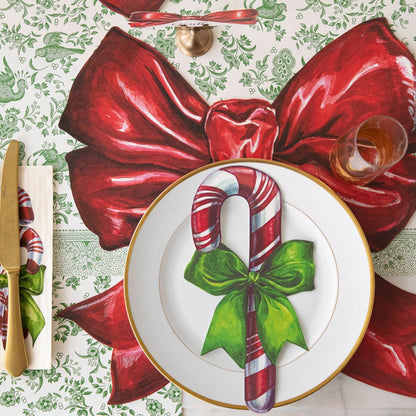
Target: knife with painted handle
x=15 y=358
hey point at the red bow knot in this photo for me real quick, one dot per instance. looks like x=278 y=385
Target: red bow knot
x=241 y=129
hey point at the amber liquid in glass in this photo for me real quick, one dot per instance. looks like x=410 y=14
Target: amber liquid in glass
x=374 y=148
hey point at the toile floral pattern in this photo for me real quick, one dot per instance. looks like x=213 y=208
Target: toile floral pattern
x=44 y=44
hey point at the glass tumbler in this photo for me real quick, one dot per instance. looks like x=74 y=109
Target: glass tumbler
x=368 y=150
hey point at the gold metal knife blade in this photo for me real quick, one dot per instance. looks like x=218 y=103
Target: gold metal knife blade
x=15 y=358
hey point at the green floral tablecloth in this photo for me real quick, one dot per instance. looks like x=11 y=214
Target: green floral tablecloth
x=43 y=46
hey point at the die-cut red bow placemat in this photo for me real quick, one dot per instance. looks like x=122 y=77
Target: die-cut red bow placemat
x=145 y=127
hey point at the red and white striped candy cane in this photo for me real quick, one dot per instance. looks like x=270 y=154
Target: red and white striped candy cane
x=26 y=215
x=33 y=244
x=263 y=197
x=4 y=293
x=30 y=239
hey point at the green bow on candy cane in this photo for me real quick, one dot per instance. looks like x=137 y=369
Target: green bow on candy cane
x=288 y=270
x=30 y=285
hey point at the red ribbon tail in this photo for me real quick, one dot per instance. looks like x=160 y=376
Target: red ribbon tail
x=133 y=376
x=242 y=17
x=385 y=358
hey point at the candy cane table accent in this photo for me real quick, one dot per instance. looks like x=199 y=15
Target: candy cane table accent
x=26 y=215
x=263 y=197
x=30 y=240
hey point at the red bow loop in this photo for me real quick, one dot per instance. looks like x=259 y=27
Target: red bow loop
x=363 y=73
x=128 y=103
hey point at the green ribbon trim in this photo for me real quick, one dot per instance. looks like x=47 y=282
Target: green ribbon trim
x=30 y=285
x=288 y=270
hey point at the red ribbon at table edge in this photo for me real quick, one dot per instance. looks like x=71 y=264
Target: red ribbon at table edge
x=145 y=127
x=145 y=19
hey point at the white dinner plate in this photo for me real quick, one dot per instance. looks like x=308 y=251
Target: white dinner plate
x=170 y=316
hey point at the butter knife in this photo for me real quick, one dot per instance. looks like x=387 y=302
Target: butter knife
x=15 y=359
